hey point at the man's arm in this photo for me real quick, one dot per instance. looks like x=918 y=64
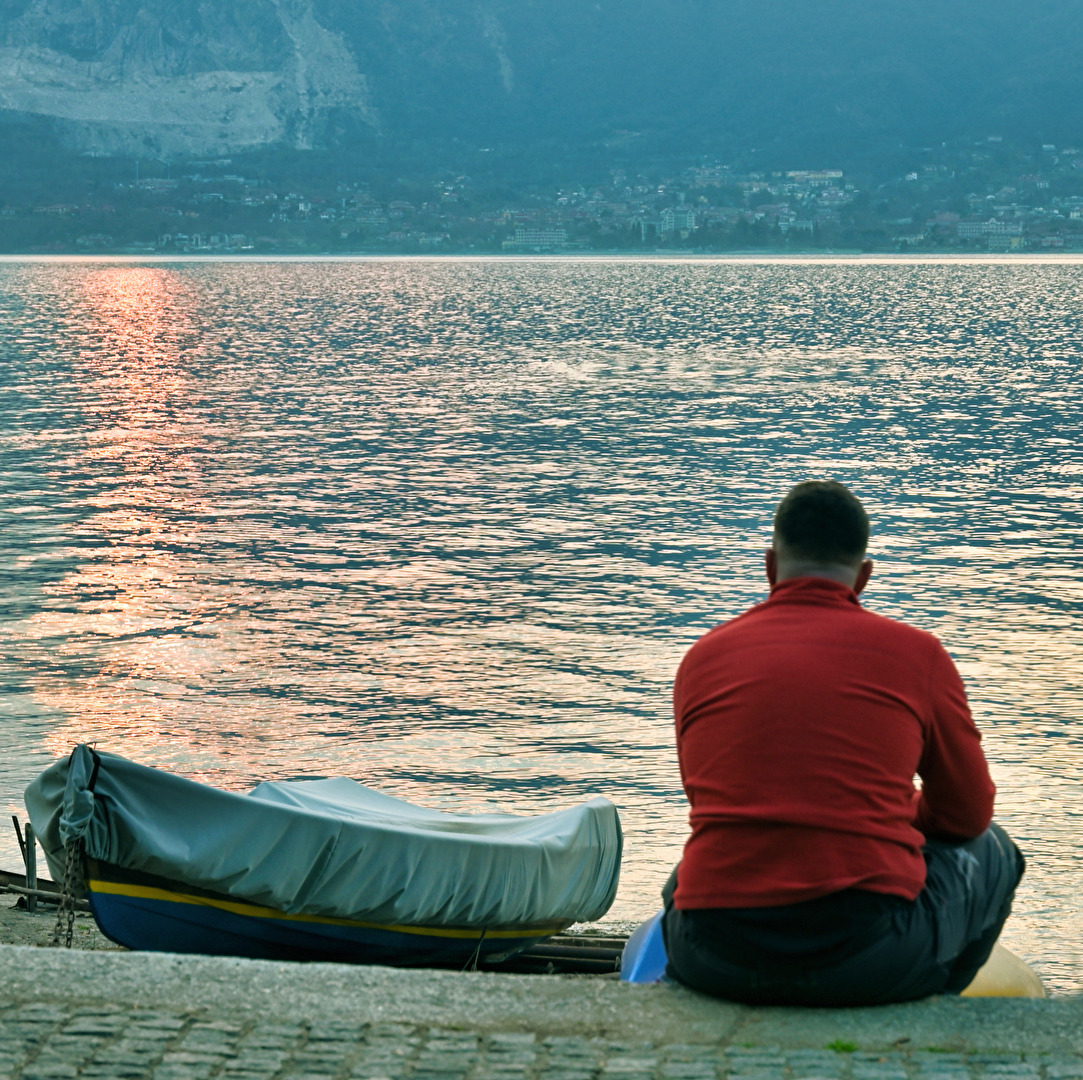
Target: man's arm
x=957 y=794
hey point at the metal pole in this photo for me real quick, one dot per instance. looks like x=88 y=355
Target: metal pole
x=31 y=869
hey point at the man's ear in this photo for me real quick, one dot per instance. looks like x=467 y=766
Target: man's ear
x=770 y=563
x=863 y=574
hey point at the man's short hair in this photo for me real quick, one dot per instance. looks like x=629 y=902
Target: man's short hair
x=822 y=521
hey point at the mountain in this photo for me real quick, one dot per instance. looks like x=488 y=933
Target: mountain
x=126 y=76
x=805 y=80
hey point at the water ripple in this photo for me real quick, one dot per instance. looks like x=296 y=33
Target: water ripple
x=448 y=526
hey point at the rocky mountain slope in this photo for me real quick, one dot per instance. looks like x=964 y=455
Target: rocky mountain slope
x=819 y=78
x=178 y=78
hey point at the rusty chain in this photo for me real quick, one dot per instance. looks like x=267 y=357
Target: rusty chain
x=69 y=892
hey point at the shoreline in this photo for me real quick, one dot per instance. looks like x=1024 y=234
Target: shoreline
x=35 y=929
x=746 y=257
x=19 y=927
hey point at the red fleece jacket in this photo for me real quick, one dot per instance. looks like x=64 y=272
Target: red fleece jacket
x=800 y=727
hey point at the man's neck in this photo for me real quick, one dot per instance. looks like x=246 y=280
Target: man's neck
x=784 y=567
x=843 y=574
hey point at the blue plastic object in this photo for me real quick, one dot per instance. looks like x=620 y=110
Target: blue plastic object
x=644 y=956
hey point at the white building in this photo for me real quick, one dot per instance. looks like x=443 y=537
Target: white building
x=677 y=220
x=540 y=238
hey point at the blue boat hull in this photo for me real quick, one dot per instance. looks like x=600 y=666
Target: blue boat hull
x=142 y=912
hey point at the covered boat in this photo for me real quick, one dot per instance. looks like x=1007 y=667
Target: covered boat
x=316 y=869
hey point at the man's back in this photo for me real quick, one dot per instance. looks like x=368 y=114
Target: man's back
x=800 y=726
x=815 y=873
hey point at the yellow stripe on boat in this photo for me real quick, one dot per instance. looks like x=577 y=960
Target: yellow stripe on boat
x=256 y=911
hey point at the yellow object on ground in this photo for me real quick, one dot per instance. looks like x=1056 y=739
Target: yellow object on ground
x=1005 y=975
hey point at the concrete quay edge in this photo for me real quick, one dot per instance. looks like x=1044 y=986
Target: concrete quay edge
x=484 y=1003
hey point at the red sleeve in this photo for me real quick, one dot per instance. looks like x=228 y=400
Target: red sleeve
x=957 y=792
x=678 y=716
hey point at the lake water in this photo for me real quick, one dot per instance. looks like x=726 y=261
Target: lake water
x=448 y=526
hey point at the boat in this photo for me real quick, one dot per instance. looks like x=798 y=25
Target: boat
x=316 y=869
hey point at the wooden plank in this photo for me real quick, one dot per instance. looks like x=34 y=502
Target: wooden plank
x=31 y=855
x=8 y=878
x=589 y=941
x=41 y=894
x=19 y=836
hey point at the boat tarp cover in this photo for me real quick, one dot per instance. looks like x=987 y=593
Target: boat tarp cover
x=332 y=847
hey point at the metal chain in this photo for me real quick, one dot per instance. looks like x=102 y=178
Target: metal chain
x=69 y=891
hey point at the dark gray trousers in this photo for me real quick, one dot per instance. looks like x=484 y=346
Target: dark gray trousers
x=854 y=947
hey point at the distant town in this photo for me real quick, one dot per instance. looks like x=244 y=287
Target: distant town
x=976 y=195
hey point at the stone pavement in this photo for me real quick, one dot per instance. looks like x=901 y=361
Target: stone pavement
x=162 y=1017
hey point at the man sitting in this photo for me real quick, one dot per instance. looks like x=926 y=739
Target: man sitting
x=815 y=872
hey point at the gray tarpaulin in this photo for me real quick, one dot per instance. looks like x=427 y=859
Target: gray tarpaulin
x=332 y=847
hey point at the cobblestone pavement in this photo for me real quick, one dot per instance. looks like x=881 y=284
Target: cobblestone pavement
x=56 y=1042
